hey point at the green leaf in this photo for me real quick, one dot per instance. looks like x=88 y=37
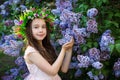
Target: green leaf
x=96 y=72
x=117 y=14
x=95 y=44
x=99 y=2
x=89 y=44
x=117 y=41
x=110 y=15
x=84 y=48
x=111 y=48
x=105 y=1
x=105 y=72
x=117 y=46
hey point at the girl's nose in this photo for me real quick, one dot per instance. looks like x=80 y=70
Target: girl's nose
x=40 y=31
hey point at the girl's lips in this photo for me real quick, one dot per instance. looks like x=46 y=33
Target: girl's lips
x=40 y=34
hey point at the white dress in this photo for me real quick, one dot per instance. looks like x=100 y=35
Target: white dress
x=35 y=72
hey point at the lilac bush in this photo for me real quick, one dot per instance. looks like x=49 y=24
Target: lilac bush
x=14 y=72
x=92 y=59
x=92 y=51
x=11 y=46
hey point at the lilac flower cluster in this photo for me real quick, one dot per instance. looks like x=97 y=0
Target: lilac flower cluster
x=92 y=58
x=61 y=5
x=20 y=62
x=116 y=68
x=70 y=17
x=92 y=26
x=106 y=40
x=64 y=40
x=94 y=54
x=14 y=72
x=97 y=65
x=4 y=8
x=91 y=13
x=80 y=34
x=91 y=23
x=69 y=23
x=95 y=77
x=84 y=61
x=71 y=20
x=11 y=46
x=9 y=23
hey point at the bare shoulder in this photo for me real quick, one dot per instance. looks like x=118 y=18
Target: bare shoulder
x=30 y=51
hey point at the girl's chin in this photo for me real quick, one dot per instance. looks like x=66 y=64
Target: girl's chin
x=40 y=39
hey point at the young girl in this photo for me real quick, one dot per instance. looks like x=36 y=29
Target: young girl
x=40 y=56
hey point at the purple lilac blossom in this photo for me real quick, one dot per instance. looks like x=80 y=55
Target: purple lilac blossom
x=56 y=12
x=101 y=76
x=57 y=22
x=2 y=7
x=96 y=77
x=14 y=72
x=9 y=23
x=66 y=38
x=70 y=17
x=73 y=65
x=78 y=35
x=7 y=77
x=84 y=61
x=94 y=54
x=92 y=12
x=78 y=73
x=106 y=40
x=23 y=7
x=20 y=61
x=90 y=74
x=62 y=4
x=11 y=46
x=116 y=68
x=14 y=2
x=6 y=3
x=92 y=26
x=97 y=65
x=104 y=55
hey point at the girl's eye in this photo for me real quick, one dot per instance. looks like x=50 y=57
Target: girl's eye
x=35 y=27
x=43 y=26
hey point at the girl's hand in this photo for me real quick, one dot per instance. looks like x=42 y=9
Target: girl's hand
x=68 y=45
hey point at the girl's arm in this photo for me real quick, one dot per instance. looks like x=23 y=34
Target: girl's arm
x=43 y=64
x=66 y=61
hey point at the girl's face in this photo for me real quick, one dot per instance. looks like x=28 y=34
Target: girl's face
x=39 y=29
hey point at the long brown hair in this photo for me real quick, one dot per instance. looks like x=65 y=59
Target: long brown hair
x=49 y=52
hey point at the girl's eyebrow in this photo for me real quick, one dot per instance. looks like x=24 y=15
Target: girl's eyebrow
x=38 y=24
x=35 y=25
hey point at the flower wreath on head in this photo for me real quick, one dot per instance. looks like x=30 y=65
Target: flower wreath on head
x=20 y=25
